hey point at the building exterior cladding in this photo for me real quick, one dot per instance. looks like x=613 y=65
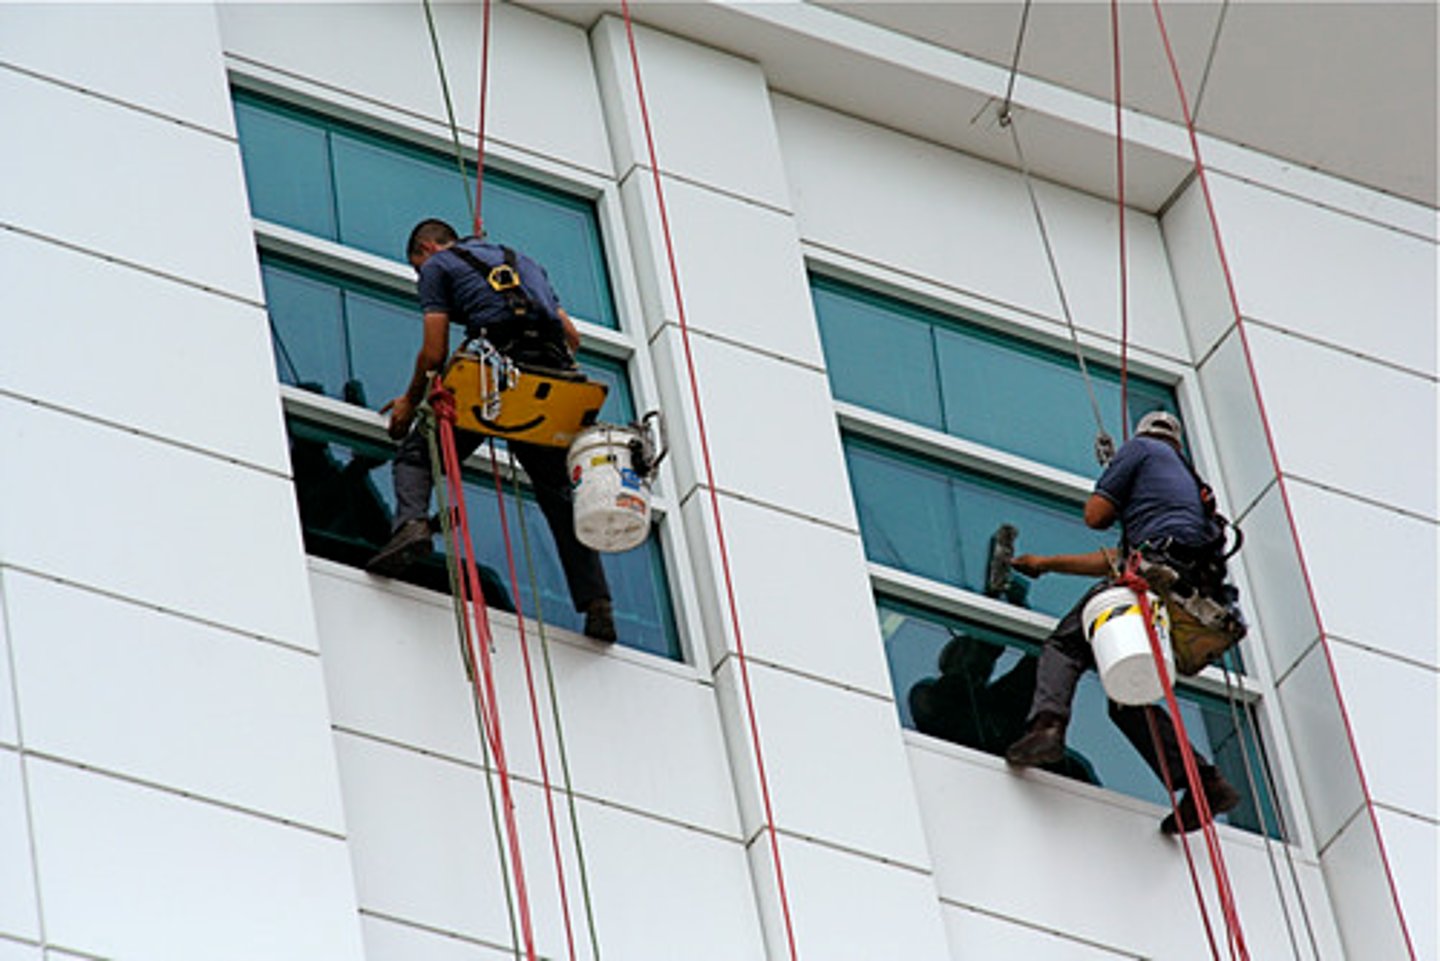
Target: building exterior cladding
x=215 y=746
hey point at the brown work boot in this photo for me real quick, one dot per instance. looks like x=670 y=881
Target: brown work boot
x=1219 y=795
x=409 y=543
x=1044 y=743
x=600 y=620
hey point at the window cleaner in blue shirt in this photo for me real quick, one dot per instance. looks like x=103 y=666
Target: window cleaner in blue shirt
x=1152 y=491
x=525 y=322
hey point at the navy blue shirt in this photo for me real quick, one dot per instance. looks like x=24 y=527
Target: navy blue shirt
x=1155 y=494
x=449 y=285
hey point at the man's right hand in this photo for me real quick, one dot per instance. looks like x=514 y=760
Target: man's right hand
x=402 y=414
x=1027 y=564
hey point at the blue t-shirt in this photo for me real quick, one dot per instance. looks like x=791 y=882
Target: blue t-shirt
x=1155 y=494
x=449 y=285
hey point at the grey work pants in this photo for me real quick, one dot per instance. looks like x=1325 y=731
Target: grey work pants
x=1065 y=656
x=548 y=478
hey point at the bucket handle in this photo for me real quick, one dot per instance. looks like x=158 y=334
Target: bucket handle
x=652 y=446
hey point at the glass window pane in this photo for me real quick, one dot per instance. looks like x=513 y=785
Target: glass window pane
x=346 y=501
x=384 y=336
x=287 y=168
x=877 y=355
x=383 y=191
x=619 y=405
x=971 y=684
x=306 y=327
x=936 y=520
x=559 y=232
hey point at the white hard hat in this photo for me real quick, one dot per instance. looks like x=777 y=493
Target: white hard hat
x=1160 y=423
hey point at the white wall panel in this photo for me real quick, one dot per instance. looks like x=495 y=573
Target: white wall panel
x=850 y=908
x=803 y=593
x=914 y=207
x=1364 y=906
x=1389 y=604
x=390 y=941
x=770 y=425
x=978 y=936
x=163 y=525
x=165 y=196
x=1239 y=433
x=1362 y=427
x=542 y=94
x=1411 y=847
x=19 y=911
x=709 y=113
x=1195 y=266
x=1373 y=686
x=1319 y=745
x=394 y=671
x=139 y=350
x=1084 y=234
x=132 y=52
x=742 y=276
x=125 y=688
x=1059 y=837
x=9 y=734
x=15 y=951
x=1317 y=272
x=425 y=852
x=1277 y=585
x=834 y=760
x=128 y=871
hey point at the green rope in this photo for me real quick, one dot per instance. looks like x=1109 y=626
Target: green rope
x=447 y=529
x=449 y=106
x=555 y=716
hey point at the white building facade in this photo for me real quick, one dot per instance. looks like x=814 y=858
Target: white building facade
x=221 y=739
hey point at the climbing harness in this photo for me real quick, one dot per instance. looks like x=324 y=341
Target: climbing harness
x=741 y=658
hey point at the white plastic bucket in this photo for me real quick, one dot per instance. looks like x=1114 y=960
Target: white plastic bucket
x=612 y=500
x=1116 y=631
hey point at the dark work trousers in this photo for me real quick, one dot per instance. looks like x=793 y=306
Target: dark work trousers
x=548 y=478
x=1065 y=656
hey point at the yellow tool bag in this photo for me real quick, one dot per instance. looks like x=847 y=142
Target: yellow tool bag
x=495 y=396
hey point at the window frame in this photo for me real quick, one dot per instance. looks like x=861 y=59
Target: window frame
x=627 y=344
x=1255 y=691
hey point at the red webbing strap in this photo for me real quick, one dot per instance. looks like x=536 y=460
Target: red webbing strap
x=1203 y=178
x=740 y=655
x=1192 y=774
x=483 y=680
x=534 y=704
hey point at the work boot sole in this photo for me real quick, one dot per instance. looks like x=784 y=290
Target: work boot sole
x=1220 y=798
x=401 y=552
x=1035 y=749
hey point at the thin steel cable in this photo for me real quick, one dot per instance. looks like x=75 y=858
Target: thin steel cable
x=1203 y=179
x=471 y=202
x=1120 y=221
x=462 y=624
x=1015 y=61
x=559 y=726
x=1025 y=175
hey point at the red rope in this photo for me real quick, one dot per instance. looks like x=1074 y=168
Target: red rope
x=1120 y=216
x=1204 y=181
x=483 y=680
x=741 y=657
x=1192 y=776
x=534 y=706
x=479 y=225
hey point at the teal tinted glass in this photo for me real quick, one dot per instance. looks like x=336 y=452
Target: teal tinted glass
x=367 y=191
x=879 y=357
x=619 y=407
x=972 y=684
x=969 y=381
x=307 y=328
x=287 y=168
x=937 y=520
x=346 y=501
